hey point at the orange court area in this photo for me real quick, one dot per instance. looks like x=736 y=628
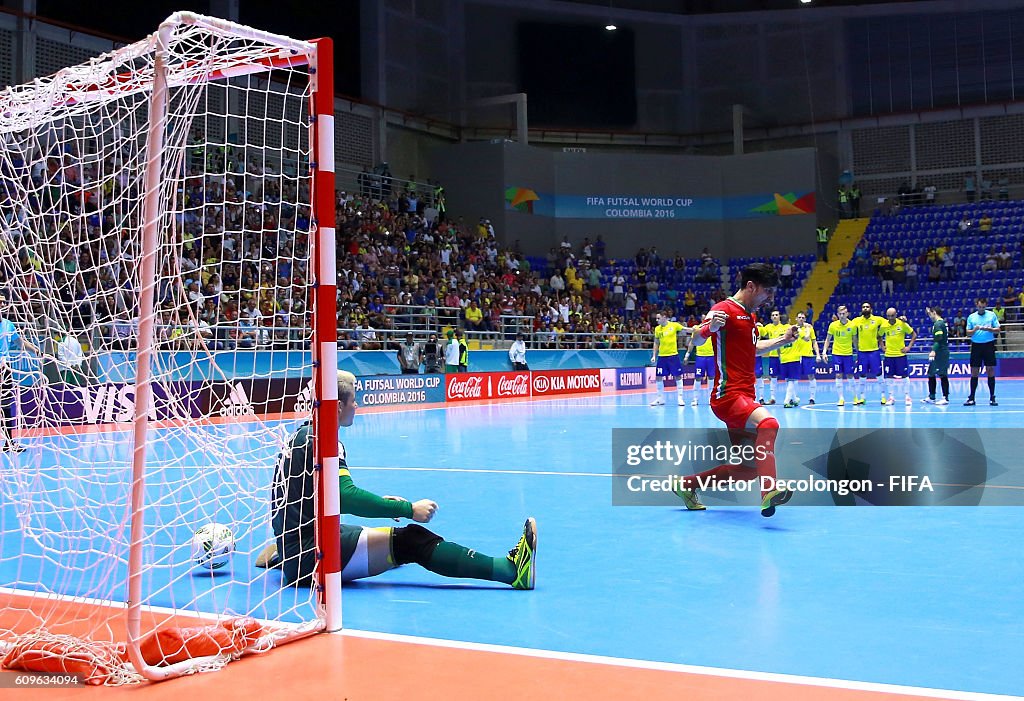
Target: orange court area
x=357 y=668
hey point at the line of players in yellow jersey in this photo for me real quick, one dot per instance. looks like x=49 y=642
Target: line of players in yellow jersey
x=865 y=334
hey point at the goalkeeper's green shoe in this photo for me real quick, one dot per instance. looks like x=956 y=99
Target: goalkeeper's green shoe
x=691 y=499
x=524 y=556
x=776 y=497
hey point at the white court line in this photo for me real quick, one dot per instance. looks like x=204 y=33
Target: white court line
x=484 y=471
x=982 y=409
x=682 y=668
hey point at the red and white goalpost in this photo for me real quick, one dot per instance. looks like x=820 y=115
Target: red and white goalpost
x=170 y=205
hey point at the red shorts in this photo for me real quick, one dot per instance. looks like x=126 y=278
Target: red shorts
x=734 y=409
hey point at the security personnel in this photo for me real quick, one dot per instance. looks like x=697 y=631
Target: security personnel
x=823 y=243
x=439 y=203
x=463 y=352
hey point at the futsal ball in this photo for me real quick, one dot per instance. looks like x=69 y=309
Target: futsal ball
x=212 y=546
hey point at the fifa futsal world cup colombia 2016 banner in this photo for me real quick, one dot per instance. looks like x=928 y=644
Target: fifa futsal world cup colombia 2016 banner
x=389 y=390
x=657 y=206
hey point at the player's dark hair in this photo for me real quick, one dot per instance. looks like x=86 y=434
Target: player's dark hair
x=937 y=310
x=983 y=300
x=763 y=274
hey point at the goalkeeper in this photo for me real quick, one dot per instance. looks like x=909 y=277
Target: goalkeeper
x=366 y=552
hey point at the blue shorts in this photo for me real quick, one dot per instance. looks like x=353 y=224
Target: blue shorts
x=845 y=364
x=705 y=367
x=869 y=363
x=896 y=367
x=759 y=363
x=774 y=366
x=670 y=365
x=792 y=371
x=807 y=365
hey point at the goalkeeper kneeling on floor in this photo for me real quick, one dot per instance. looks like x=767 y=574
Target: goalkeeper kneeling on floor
x=366 y=552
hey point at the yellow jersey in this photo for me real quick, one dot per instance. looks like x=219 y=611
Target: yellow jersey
x=805 y=341
x=895 y=336
x=842 y=337
x=791 y=352
x=867 y=331
x=666 y=337
x=706 y=350
x=772 y=331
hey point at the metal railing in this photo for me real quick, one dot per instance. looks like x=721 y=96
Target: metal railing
x=118 y=336
x=121 y=335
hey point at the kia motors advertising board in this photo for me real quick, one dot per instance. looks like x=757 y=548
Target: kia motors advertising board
x=547 y=383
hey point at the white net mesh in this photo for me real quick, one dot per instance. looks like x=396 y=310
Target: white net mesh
x=232 y=367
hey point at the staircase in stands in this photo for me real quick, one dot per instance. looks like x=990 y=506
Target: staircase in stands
x=825 y=276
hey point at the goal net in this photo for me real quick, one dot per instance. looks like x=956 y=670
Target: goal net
x=167 y=289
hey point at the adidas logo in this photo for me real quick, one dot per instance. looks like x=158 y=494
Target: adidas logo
x=304 y=399
x=237 y=403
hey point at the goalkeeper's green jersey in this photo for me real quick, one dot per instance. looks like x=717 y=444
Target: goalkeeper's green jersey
x=293 y=505
x=940 y=337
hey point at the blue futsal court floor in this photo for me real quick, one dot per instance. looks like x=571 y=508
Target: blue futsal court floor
x=928 y=597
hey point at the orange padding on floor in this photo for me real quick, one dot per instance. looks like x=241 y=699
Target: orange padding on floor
x=102 y=623
x=359 y=669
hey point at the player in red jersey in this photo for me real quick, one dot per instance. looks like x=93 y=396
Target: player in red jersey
x=731 y=325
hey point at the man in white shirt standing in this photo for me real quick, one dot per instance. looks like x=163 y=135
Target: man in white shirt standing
x=517 y=353
x=451 y=354
x=618 y=289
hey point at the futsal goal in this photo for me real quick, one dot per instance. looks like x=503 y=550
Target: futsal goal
x=167 y=268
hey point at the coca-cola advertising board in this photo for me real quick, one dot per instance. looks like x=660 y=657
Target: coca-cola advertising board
x=547 y=383
x=468 y=386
